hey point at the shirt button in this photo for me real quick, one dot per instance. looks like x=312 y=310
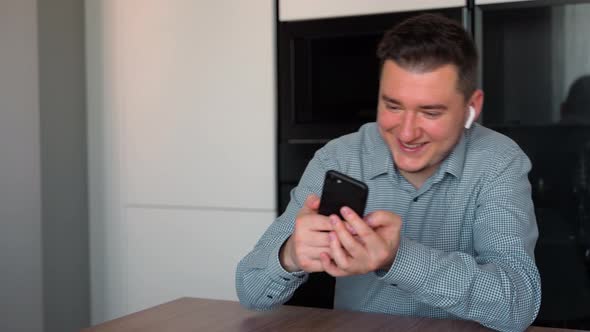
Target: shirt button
x=415 y=199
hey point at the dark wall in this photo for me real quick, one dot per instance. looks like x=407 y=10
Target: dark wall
x=43 y=211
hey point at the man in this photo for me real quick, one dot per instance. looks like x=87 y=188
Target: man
x=450 y=228
x=576 y=107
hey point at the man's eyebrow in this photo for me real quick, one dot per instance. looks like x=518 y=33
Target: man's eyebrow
x=441 y=107
x=391 y=100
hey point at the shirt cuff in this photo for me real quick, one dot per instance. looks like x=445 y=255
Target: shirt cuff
x=410 y=268
x=278 y=273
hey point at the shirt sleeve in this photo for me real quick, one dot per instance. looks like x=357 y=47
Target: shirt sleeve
x=499 y=286
x=261 y=281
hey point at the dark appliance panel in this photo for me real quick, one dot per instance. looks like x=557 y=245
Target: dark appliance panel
x=536 y=77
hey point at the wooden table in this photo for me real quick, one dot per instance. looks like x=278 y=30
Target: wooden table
x=191 y=314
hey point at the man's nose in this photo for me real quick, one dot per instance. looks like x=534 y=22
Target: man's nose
x=409 y=127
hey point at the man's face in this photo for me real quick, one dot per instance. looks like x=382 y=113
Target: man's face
x=421 y=117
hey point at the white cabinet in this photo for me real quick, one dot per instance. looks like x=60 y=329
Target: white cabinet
x=293 y=10
x=179 y=253
x=181 y=123
x=487 y=2
x=197 y=103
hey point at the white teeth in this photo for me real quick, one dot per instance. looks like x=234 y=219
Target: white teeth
x=412 y=146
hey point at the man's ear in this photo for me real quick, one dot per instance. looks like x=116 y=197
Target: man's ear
x=475 y=106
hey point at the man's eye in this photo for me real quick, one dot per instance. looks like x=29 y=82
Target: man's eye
x=392 y=107
x=432 y=115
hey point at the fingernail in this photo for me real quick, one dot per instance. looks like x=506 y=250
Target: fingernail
x=333 y=219
x=370 y=220
x=345 y=211
x=332 y=236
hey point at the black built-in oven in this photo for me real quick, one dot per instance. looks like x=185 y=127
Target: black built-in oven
x=536 y=80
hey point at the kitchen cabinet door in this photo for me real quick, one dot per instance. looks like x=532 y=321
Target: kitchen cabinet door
x=489 y=2
x=294 y=10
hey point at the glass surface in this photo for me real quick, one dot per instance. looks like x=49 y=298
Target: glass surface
x=536 y=79
x=343 y=80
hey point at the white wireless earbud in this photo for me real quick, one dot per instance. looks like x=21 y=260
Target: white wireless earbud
x=470 y=117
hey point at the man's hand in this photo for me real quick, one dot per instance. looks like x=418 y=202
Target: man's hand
x=310 y=238
x=372 y=244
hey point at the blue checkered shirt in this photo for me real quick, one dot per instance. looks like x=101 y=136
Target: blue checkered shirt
x=467 y=240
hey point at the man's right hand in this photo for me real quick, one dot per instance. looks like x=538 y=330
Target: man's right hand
x=310 y=238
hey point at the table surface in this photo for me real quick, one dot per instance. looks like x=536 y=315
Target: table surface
x=192 y=314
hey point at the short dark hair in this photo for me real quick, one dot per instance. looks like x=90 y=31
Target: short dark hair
x=429 y=41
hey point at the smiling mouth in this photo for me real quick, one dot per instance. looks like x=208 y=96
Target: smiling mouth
x=411 y=147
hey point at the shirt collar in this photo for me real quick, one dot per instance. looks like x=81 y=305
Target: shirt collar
x=454 y=162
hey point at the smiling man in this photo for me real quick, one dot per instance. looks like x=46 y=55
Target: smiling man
x=450 y=228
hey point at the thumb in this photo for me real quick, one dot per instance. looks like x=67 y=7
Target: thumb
x=382 y=219
x=311 y=204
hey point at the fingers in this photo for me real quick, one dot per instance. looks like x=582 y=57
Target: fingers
x=313 y=259
x=310 y=237
x=365 y=232
x=329 y=266
x=308 y=259
x=372 y=247
x=387 y=225
x=350 y=229
x=309 y=219
x=313 y=223
x=345 y=238
x=316 y=239
x=310 y=266
x=340 y=257
x=320 y=224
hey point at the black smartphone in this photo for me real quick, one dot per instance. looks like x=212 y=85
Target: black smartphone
x=342 y=190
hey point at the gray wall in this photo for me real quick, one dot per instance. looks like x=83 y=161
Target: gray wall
x=21 y=306
x=63 y=165
x=43 y=213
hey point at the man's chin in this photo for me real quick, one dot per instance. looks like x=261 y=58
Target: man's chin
x=412 y=170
